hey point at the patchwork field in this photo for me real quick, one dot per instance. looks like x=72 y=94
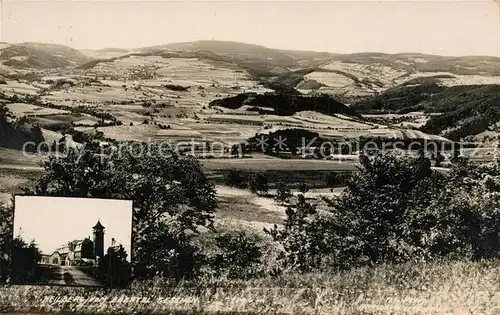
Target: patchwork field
x=21 y=109
x=166 y=97
x=15 y=87
x=278 y=164
x=450 y=79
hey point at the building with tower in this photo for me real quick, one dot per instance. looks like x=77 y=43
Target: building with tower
x=79 y=252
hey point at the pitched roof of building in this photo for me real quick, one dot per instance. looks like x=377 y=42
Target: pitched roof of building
x=98 y=225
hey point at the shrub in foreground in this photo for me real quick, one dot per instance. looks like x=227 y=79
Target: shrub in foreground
x=394 y=210
x=238 y=257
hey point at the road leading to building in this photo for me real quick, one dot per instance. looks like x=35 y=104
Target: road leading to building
x=65 y=275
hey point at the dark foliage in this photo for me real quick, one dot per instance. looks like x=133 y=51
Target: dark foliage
x=239 y=150
x=286 y=102
x=303 y=188
x=24 y=264
x=283 y=192
x=238 y=257
x=399 y=99
x=174 y=87
x=395 y=210
x=15 y=133
x=113 y=269
x=258 y=183
x=301 y=237
x=292 y=138
x=466 y=110
x=167 y=251
x=235 y=178
x=336 y=179
x=6 y=232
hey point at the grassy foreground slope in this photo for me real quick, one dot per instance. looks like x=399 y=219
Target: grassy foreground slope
x=439 y=288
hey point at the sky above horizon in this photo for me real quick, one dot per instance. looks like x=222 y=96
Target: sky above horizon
x=453 y=28
x=53 y=221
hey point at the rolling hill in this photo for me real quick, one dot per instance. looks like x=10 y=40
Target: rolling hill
x=463 y=110
x=236 y=50
x=349 y=75
x=41 y=56
x=231 y=75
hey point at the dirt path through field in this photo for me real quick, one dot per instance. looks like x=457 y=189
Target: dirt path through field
x=21 y=167
x=65 y=275
x=266 y=203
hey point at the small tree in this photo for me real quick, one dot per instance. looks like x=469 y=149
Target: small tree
x=239 y=255
x=6 y=226
x=301 y=236
x=258 y=184
x=439 y=159
x=25 y=258
x=239 y=149
x=235 y=178
x=303 y=188
x=114 y=269
x=235 y=150
x=331 y=179
x=283 y=193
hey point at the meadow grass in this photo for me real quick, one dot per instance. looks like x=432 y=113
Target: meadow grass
x=432 y=288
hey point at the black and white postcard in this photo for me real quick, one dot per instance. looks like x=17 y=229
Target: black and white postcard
x=250 y=157
x=72 y=241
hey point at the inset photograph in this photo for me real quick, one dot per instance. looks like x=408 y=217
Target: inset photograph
x=71 y=241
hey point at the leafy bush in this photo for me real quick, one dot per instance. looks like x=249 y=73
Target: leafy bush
x=258 y=184
x=239 y=149
x=15 y=133
x=303 y=188
x=114 y=269
x=283 y=193
x=6 y=232
x=235 y=178
x=335 y=179
x=175 y=87
x=238 y=257
x=395 y=210
x=300 y=237
x=62 y=83
x=24 y=265
x=167 y=251
x=292 y=139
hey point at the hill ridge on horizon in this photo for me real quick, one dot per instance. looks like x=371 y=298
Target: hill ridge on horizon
x=283 y=50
